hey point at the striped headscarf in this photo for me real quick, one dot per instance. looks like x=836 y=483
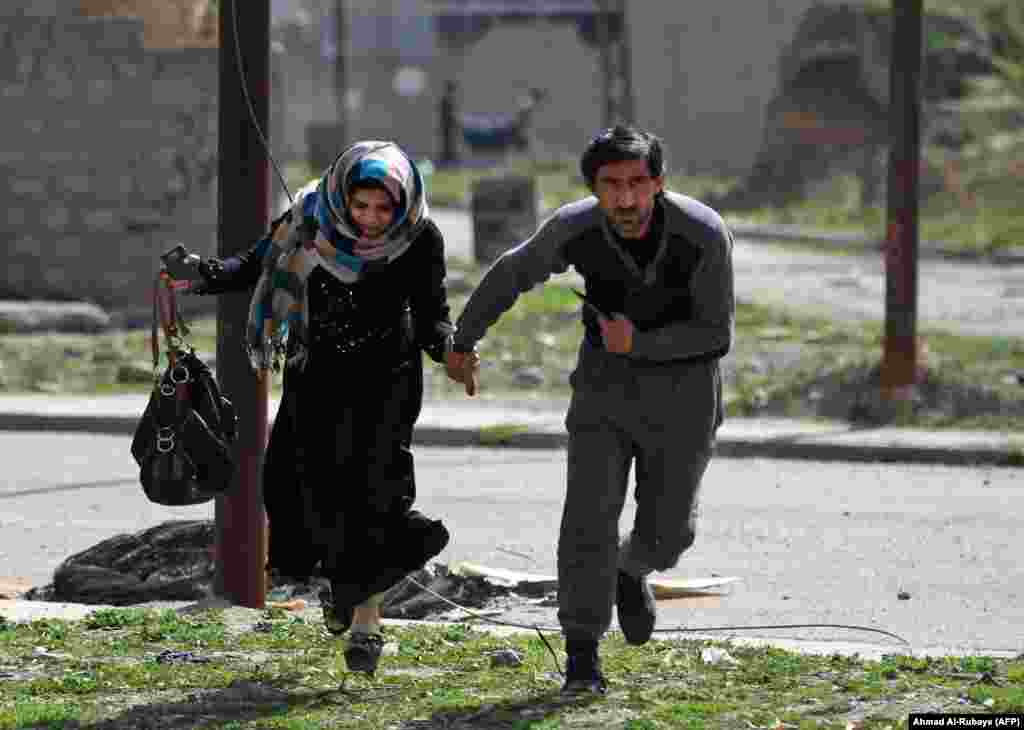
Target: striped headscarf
x=319 y=232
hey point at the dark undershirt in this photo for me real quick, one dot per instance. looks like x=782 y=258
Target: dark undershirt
x=643 y=249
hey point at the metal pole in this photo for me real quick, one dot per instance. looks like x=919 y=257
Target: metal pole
x=627 y=101
x=341 y=70
x=243 y=205
x=605 y=58
x=901 y=349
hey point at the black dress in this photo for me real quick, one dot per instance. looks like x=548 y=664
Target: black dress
x=338 y=478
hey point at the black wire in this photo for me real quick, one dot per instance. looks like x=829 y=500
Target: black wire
x=692 y=630
x=713 y=629
x=248 y=100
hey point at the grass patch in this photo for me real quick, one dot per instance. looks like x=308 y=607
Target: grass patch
x=783 y=364
x=286 y=672
x=501 y=433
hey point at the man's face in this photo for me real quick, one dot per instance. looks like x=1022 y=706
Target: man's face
x=625 y=191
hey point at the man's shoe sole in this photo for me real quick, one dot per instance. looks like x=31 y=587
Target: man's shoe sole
x=585 y=687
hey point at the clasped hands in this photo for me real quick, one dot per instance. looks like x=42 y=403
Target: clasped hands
x=464 y=367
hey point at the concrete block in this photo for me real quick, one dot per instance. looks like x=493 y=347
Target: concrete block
x=144 y=125
x=140 y=219
x=178 y=92
x=28 y=187
x=100 y=92
x=26 y=246
x=56 y=217
x=100 y=220
x=14 y=217
x=30 y=38
x=14 y=275
x=12 y=156
x=57 y=278
x=61 y=158
x=69 y=248
x=38 y=9
x=76 y=184
x=111 y=33
x=12 y=91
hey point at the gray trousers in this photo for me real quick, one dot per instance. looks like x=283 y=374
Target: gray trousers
x=660 y=418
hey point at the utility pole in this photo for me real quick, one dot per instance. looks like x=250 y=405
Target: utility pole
x=626 y=99
x=616 y=65
x=243 y=216
x=900 y=365
x=341 y=70
x=604 y=49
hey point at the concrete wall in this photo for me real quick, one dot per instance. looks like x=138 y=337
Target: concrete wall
x=110 y=156
x=703 y=74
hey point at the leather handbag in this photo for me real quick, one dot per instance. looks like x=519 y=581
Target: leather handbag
x=183 y=443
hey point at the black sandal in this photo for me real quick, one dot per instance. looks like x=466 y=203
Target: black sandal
x=363 y=652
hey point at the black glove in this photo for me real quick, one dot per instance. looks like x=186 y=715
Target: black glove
x=213 y=277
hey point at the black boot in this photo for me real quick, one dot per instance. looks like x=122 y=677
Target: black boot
x=583 y=668
x=637 y=609
x=363 y=652
x=339 y=607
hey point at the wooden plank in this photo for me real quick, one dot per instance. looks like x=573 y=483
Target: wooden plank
x=502 y=576
x=662 y=587
x=676 y=587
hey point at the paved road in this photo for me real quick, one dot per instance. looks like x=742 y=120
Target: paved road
x=954 y=295
x=812 y=542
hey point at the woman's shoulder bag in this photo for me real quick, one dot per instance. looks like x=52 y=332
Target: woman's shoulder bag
x=183 y=442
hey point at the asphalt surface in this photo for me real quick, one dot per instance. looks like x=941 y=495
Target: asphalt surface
x=923 y=551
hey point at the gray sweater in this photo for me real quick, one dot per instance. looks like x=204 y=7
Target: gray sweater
x=682 y=303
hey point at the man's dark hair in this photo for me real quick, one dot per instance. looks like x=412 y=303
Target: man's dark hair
x=620 y=143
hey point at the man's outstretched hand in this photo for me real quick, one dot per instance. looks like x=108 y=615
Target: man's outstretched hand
x=463 y=367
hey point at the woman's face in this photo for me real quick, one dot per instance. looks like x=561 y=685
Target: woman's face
x=372 y=209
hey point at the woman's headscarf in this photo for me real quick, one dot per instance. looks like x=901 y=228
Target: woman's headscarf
x=384 y=163
x=320 y=232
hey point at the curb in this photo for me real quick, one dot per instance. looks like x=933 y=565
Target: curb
x=786 y=447
x=928 y=249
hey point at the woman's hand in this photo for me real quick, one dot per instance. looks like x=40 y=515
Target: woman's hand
x=211 y=271
x=463 y=367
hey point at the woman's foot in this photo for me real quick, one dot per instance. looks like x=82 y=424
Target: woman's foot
x=363 y=652
x=337 y=610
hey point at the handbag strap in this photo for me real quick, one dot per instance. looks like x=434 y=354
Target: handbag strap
x=165 y=310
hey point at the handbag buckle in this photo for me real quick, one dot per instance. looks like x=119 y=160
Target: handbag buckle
x=165 y=439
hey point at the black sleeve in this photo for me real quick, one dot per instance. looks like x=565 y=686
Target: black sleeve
x=241 y=271
x=428 y=297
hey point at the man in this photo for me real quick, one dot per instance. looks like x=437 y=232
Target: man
x=658 y=316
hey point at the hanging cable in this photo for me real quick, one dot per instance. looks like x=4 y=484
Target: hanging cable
x=694 y=630
x=248 y=99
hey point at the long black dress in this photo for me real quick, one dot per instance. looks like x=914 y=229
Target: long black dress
x=338 y=479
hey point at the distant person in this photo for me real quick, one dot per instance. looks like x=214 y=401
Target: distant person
x=646 y=390
x=503 y=132
x=349 y=290
x=449 y=124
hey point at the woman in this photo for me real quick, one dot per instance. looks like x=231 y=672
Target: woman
x=349 y=291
